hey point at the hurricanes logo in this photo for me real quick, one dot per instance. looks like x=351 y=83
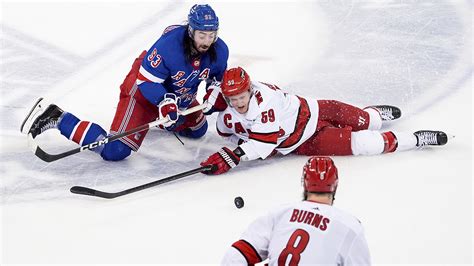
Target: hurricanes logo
x=242 y=74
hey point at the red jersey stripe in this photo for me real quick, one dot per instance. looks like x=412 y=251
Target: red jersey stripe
x=142 y=78
x=223 y=134
x=248 y=251
x=271 y=137
x=304 y=114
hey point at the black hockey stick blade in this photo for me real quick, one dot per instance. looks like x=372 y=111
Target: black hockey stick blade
x=40 y=153
x=110 y=195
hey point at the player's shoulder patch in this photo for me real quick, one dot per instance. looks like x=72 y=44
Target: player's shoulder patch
x=167 y=43
x=170 y=28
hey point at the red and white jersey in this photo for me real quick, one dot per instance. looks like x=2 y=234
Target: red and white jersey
x=275 y=120
x=304 y=233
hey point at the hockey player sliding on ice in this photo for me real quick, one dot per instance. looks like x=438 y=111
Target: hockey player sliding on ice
x=261 y=119
x=161 y=83
x=310 y=232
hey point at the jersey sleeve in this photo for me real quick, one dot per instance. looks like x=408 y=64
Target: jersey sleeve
x=233 y=257
x=263 y=135
x=358 y=253
x=153 y=92
x=223 y=52
x=153 y=72
x=252 y=248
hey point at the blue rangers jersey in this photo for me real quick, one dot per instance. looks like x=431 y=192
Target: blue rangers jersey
x=165 y=69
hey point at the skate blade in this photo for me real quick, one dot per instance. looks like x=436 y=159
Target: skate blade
x=26 y=124
x=32 y=143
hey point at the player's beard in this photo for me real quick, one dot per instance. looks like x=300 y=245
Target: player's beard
x=203 y=48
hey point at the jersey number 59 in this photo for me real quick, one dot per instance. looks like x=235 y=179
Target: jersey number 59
x=268 y=116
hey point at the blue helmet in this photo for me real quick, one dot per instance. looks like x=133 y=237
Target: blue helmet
x=203 y=17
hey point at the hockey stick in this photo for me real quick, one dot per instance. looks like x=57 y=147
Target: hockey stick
x=110 y=195
x=47 y=157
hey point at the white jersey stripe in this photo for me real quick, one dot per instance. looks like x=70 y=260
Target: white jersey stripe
x=129 y=111
x=150 y=76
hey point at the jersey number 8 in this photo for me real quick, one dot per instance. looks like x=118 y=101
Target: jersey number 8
x=300 y=236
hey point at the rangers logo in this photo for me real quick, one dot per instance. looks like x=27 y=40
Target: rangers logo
x=178 y=75
x=183 y=90
x=205 y=74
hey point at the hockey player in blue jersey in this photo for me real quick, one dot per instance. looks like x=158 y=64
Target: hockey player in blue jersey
x=162 y=82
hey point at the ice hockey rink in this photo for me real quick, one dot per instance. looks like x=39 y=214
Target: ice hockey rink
x=416 y=206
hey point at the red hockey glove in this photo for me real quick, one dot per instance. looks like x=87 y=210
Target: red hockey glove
x=168 y=107
x=223 y=161
x=214 y=100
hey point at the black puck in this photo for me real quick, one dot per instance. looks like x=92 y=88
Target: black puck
x=239 y=202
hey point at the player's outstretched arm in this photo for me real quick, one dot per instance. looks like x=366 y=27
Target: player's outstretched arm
x=223 y=160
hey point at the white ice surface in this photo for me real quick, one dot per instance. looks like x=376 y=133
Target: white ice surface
x=416 y=206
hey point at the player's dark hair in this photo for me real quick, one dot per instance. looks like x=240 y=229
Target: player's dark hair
x=188 y=49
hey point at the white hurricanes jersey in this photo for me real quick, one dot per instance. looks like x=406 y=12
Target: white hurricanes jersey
x=275 y=120
x=304 y=233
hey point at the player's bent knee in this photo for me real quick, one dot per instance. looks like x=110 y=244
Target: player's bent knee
x=367 y=142
x=195 y=133
x=115 y=151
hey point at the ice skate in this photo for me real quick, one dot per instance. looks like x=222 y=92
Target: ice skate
x=430 y=137
x=387 y=112
x=41 y=118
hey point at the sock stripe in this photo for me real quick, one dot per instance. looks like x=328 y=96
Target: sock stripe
x=79 y=131
x=85 y=133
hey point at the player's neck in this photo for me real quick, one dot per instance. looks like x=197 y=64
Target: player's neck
x=323 y=199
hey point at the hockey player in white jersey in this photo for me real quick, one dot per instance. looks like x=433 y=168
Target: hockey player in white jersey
x=311 y=232
x=263 y=120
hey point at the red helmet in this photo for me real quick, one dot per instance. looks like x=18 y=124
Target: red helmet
x=320 y=175
x=235 y=81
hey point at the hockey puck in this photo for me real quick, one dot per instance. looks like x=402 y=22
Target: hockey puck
x=239 y=202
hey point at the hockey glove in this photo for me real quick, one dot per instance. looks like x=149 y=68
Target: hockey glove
x=214 y=99
x=168 y=107
x=223 y=161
